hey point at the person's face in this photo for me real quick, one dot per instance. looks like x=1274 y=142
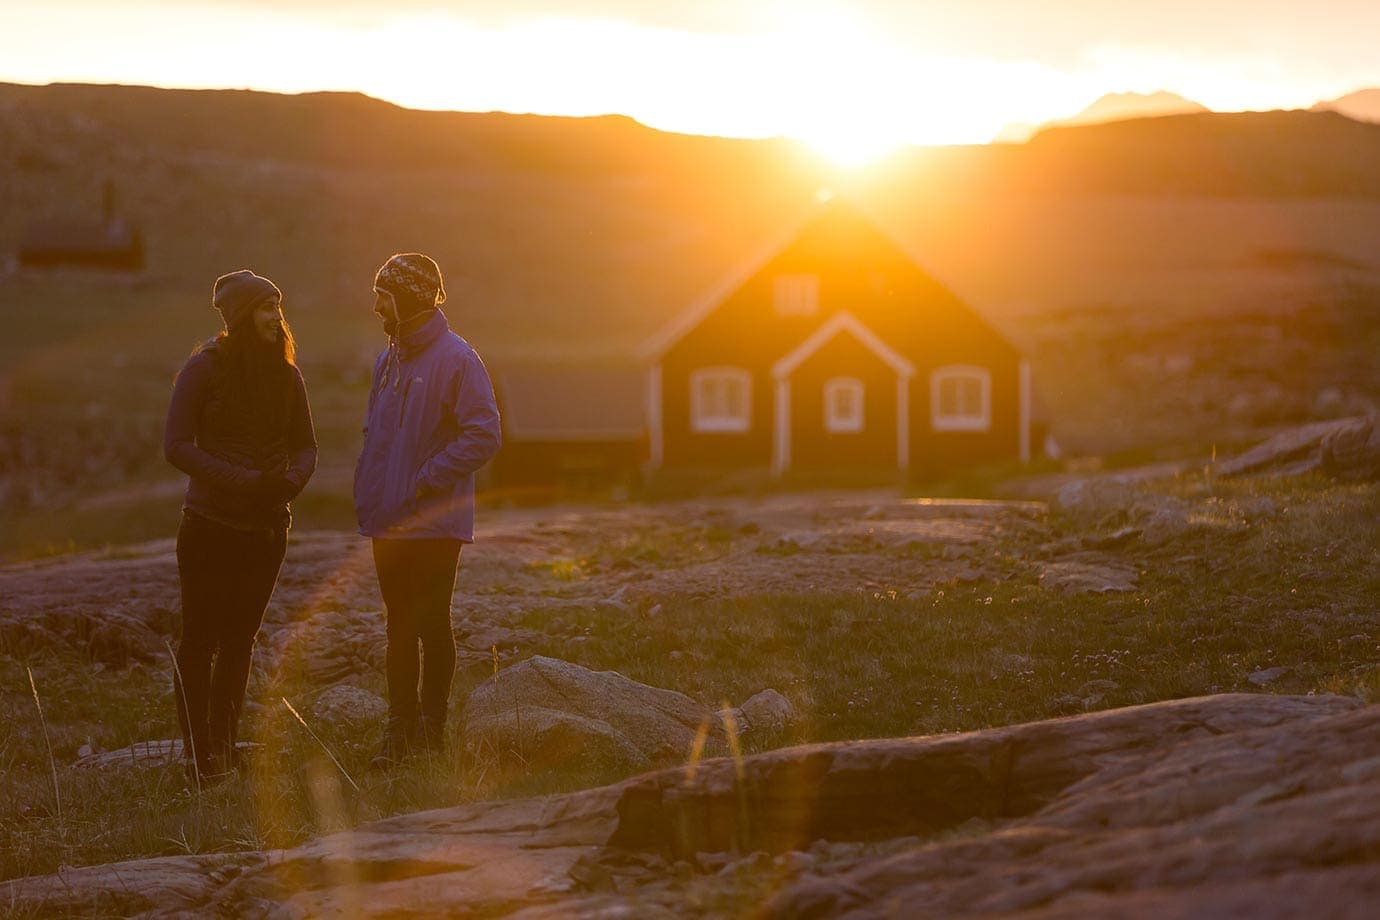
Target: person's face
x=386 y=310
x=268 y=320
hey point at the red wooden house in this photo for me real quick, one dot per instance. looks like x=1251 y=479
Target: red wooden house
x=833 y=349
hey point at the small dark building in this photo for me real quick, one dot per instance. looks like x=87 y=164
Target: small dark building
x=111 y=243
x=568 y=427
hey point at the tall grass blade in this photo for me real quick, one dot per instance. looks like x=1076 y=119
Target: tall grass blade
x=343 y=772
x=182 y=691
x=52 y=761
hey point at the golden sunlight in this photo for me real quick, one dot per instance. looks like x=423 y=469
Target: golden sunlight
x=844 y=79
x=853 y=146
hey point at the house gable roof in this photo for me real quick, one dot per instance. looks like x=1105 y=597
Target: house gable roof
x=824 y=208
x=680 y=324
x=837 y=324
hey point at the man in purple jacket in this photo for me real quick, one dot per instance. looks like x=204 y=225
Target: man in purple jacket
x=431 y=423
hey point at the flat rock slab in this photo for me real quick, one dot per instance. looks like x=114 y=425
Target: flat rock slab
x=1236 y=805
x=1088 y=573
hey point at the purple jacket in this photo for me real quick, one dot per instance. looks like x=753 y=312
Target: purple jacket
x=431 y=423
x=223 y=450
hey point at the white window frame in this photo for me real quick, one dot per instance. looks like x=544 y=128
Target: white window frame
x=961 y=421
x=706 y=417
x=835 y=423
x=795 y=295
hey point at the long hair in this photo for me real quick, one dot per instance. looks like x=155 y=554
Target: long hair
x=256 y=377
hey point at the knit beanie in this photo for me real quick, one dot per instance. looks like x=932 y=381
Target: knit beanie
x=237 y=294
x=413 y=277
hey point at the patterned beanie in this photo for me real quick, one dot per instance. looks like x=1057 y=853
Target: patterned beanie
x=413 y=276
x=237 y=294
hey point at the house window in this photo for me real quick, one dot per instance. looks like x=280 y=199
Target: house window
x=796 y=295
x=843 y=405
x=961 y=398
x=720 y=399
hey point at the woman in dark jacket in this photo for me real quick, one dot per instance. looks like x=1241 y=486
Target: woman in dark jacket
x=239 y=426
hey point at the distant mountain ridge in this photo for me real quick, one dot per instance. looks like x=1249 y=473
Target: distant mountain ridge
x=1258 y=154
x=1362 y=105
x=1122 y=106
x=355 y=130
x=1111 y=107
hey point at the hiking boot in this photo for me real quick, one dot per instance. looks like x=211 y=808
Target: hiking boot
x=399 y=742
x=205 y=772
x=431 y=735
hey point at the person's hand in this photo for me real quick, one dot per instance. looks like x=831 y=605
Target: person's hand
x=276 y=487
x=422 y=493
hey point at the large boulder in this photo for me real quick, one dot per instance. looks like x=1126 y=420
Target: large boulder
x=551 y=714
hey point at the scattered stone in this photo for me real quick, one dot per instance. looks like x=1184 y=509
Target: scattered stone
x=1066 y=704
x=1117 y=539
x=1110 y=502
x=799 y=540
x=1094 y=500
x=486 y=638
x=767 y=712
x=328 y=648
x=148 y=754
x=1268 y=676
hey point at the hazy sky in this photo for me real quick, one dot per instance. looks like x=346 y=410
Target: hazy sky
x=858 y=72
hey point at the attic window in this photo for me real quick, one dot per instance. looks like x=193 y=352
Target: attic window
x=961 y=398
x=843 y=405
x=795 y=295
x=720 y=399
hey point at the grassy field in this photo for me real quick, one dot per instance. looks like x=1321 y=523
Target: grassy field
x=1293 y=584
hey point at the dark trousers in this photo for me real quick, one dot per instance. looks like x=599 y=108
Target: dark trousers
x=227 y=577
x=417 y=578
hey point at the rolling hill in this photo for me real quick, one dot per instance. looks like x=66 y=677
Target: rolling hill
x=1097 y=248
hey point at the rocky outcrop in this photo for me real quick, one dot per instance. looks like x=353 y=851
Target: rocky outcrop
x=1348 y=448
x=1236 y=805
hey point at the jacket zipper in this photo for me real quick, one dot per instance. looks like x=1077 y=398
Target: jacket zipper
x=402 y=409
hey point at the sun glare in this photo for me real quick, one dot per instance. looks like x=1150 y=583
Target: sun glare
x=844 y=76
x=853 y=147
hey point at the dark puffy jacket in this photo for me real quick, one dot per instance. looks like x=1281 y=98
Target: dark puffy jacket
x=225 y=449
x=431 y=423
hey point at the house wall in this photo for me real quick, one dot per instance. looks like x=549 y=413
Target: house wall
x=934 y=453
x=549 y=467
x=811 y=445
x=683 y=447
